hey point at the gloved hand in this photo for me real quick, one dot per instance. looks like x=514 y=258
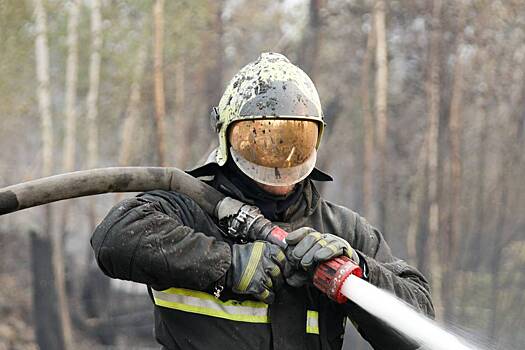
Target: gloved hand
x=307 y=248
x=257 y=269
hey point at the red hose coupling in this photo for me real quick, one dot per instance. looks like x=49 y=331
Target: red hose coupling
x=330 y=276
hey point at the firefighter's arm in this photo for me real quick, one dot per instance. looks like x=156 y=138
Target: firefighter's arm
x=157 y=238
x=389 y=273
x=309 y=248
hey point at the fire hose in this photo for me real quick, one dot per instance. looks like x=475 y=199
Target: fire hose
x=337 y=278
x=244 y=222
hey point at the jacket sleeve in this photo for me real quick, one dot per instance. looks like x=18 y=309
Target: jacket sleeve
x=163 y=239
x=388 y=273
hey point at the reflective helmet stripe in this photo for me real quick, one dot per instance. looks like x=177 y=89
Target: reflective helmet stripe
x=206 y=304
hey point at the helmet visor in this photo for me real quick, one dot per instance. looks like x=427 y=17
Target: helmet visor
x=276 y=152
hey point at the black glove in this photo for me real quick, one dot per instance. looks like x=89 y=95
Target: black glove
x=257 y=269
x=307 y=248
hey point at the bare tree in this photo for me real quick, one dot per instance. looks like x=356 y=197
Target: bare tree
x=181 y=119
x=455 y=130
x=311 y=41
x=95 y=282
x=381 y=106
x=92 y=98
x=68 y=160
x=160 y=100
x=507 y=173
x=133 y=109
x=433 y=98
x=208 y=78
x=214 y=41
x=94 y=82
x=368 y=126
x=44 y=94
x=70 y=111
x=416 y=203
x=49 y=303
x=479 y=235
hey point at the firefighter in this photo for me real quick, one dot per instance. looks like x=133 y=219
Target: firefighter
x=211 y=291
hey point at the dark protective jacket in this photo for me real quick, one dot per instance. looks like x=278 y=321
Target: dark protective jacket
x=165 y=240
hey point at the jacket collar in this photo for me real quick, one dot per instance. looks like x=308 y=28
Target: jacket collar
x=211 y=172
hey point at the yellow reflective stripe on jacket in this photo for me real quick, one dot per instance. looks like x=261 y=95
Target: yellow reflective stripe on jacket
x=312 y=322
x=206 y=304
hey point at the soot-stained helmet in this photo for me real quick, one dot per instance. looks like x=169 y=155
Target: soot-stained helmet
x=270 y=121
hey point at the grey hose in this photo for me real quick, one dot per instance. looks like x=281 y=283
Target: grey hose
x=105 y=180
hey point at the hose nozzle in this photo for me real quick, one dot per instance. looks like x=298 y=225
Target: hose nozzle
x=330 y=276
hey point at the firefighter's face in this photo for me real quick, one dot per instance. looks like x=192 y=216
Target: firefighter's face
x=276 y=190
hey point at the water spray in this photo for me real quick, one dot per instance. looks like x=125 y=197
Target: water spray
x=400 y=316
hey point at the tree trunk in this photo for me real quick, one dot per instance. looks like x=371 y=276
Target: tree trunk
x=44 y=94
x=311 y=42
x=210 y=76
x=455 y=130
x=416 y=204
x=214 y=80
x=496 y=257
x=94 y=79
x=160 y=100
x=51 y=318
x=479 y=236
x=368 y=125
x=47 y=316
x=100 y=285
x=181 y=119
x=510 y=155
x=92 y=99
x=131 y=119
x=381 y=107
x=309 y=54
x=479 y=233
x=433 y=98
x=133 y=110
x=70 y=111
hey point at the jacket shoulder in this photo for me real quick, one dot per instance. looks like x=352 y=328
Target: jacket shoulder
x=171 y=201
x=333 y=209
x=337 y=219
x=350 y=225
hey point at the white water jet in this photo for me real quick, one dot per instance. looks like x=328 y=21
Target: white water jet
x=400 y=316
